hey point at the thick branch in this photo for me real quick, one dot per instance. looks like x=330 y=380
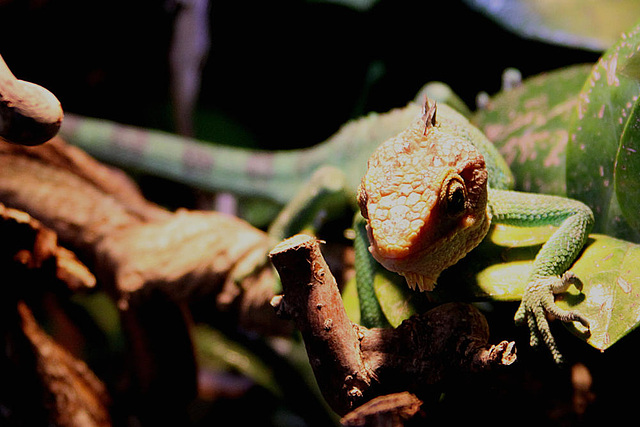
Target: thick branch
x=313 y=301
x=74 y=396
x=134 y=245
x=353 y=364
x=29 y=114
x=154 y=262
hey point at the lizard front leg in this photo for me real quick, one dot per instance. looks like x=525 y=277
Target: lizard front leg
x=549 y=275
x=325 y=192
x=371 y=314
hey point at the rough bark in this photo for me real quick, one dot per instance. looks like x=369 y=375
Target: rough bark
x=154 y=262
x=73 y=395
x=133 y=245
x=353 y=364
x=42 y=382
x=29 y=114
x=391 y=410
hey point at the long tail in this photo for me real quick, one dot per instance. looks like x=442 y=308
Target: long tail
x=204 y=165
x=271 y=174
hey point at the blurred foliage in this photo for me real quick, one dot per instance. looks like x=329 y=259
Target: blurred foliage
x=529 y=125
x=587 y=24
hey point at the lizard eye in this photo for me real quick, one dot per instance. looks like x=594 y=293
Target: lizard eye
x=455 y=197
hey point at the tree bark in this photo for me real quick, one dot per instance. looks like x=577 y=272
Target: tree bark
x=353 y=364
x=42 y=382
x=154 y=262
x=29 y=114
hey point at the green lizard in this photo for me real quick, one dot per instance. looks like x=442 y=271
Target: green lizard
x=428 y=195
x=275 y=175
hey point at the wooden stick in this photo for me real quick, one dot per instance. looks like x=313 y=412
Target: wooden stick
x=313 y=300
x=353 y=364
x=29 y=114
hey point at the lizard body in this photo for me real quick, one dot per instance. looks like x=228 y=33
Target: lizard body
x=429 y=196
x=436 y=177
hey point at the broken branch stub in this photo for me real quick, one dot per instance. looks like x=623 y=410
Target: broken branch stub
x=353 y=364
x=391 y=410
x=29 y=114
x=313 y=301
x=29 y=243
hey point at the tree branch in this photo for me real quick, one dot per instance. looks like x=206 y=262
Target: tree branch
x=353 y=364
x=29 y=114
x=155 y=263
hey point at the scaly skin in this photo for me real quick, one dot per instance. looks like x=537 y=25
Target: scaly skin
x=440 y=182
x=276 y=175
x=428 y=197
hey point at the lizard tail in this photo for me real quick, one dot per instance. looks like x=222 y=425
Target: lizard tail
x=212 y=167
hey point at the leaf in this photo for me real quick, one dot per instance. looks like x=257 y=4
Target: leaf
x=350 y=300
x=217 y=352
x=529 y=125
x=397 y=300
x=605 y=105
x=499 y=270
x=359 y=5
x=628 y=170
x=608 y=267
x=610 y=271
x=587 y=24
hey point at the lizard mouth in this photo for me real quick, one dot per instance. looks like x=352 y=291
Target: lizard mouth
x=422 y=267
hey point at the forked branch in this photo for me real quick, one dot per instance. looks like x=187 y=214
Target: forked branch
x=353 y=364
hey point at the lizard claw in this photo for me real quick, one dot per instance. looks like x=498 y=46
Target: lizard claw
x=538 y=302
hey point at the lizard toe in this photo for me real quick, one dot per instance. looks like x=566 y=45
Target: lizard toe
x=538 y=306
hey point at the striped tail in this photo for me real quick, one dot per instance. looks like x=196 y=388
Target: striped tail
x=275 y=175
x=271 y=174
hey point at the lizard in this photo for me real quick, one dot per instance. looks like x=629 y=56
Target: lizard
x=429 y=196
x=277 y=175
x=340 y=163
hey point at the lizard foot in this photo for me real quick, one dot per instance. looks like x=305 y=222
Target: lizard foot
x=538 y=302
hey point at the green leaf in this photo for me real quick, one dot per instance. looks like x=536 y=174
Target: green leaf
x=395 y=297
x=627 y=171
x=588 y=24
x=397 y=300
x=605 y=105
x=608 y=267
x=217 y=352
x=499 y=270
x=529 y=126
x=350 y=300
x=610 y=271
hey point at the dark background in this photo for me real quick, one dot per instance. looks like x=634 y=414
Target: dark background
x=280 y=74
x=284 y=74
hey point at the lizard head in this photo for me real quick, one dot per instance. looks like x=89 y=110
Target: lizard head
x=425 y=198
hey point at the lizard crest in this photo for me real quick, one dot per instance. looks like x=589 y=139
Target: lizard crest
x=425 y=199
